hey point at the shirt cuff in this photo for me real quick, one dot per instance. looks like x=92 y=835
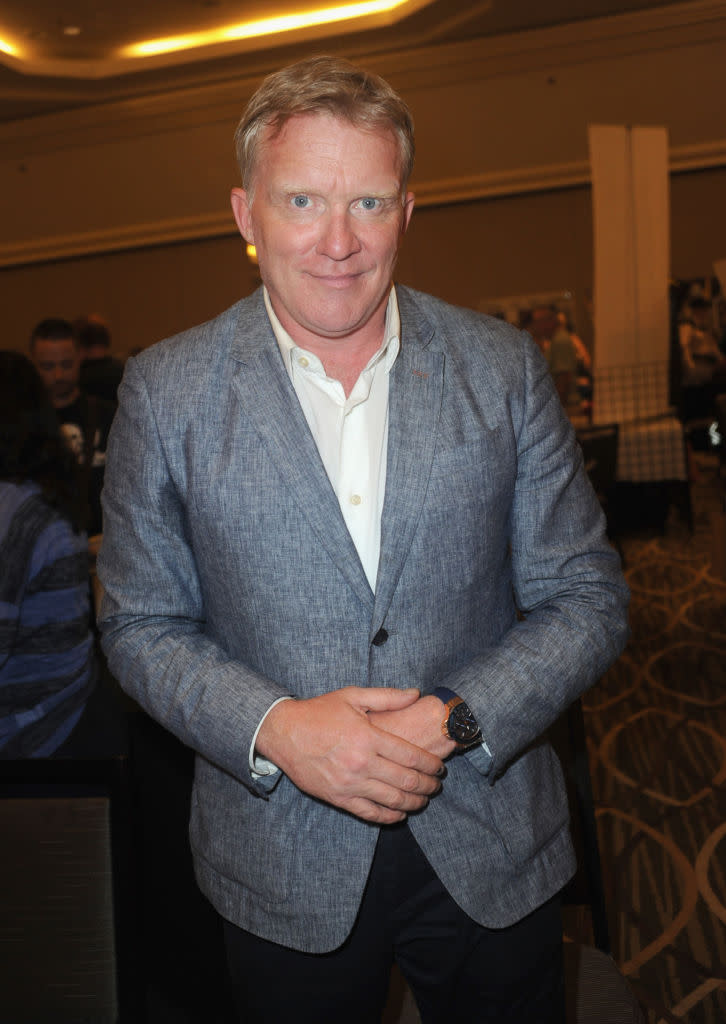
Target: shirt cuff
x=260 y=766
x=480 y=756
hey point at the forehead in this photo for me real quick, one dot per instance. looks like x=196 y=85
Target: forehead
x=54 y=348
x=324 y=139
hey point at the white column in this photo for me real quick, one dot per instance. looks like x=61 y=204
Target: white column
x=629 y=167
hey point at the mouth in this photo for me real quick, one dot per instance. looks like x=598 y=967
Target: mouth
x=339 y=283
x=339 y=280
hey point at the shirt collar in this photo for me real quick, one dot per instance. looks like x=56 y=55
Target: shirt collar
x=388 y=351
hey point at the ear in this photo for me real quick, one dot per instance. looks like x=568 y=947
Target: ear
x=241 y=208
x=408 y=204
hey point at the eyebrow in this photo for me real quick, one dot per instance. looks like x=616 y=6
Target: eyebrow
x=388 y=196
x=301 y=190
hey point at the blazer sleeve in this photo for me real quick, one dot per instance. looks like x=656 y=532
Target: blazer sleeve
x=152 y=617
x=567 y=582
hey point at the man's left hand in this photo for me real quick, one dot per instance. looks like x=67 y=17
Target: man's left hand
x=419 y=723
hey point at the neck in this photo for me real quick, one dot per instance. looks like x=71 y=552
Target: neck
x=345 y=367
x=343 y=358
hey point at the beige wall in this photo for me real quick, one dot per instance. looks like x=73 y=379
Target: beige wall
x=698 y=223
x=513 y=245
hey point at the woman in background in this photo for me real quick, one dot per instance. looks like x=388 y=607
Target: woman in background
x=47 y=664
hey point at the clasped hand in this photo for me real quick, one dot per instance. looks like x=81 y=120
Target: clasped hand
x=375 y=752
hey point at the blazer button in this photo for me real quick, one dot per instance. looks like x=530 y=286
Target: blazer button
x=380 y=638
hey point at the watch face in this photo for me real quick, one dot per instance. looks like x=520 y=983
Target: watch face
x=462 y=725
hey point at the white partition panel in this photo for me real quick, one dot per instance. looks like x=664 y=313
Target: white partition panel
x=629 y=166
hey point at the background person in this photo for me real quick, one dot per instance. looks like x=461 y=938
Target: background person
x=100 y=373
x=555 y=342
x=85 y=420
x=349 y=537
x=47 y=667
x=703 y=365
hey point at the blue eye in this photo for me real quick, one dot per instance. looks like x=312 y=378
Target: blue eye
x=369 y=203
x=301 y=201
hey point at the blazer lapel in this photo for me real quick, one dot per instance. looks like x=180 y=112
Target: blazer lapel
x=270 y=402
x=414 y=408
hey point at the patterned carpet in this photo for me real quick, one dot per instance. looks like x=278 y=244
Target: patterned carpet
x=656 y=731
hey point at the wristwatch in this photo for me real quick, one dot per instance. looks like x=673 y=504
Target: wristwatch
x=459 y=723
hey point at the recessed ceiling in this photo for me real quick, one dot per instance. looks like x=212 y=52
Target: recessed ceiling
x=59 y=54
x=109 y=38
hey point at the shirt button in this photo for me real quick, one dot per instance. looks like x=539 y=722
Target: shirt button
x=380 y=638
x=356 y=499
x=303 y=361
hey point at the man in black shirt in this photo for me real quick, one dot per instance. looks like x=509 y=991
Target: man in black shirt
x=85 y=420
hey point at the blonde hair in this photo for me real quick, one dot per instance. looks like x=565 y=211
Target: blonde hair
x=324 y=85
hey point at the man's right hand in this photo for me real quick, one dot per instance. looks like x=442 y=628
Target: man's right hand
x=330 y=749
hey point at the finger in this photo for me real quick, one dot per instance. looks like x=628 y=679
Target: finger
x=381 y=698
x=407 y=755
x=390 y=798
x=399 y=788
x=354 y=768
x=374 y=813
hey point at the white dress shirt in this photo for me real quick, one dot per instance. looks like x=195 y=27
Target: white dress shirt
x=351 y=433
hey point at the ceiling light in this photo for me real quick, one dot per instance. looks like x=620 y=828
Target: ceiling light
x=8 y=48
x=71 y=30
x=263 y=27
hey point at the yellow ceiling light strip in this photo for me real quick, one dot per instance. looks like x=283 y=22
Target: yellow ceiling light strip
x=262 y=27
x=200 y=46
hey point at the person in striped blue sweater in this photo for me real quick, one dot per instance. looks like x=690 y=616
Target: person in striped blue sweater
x=48 y=668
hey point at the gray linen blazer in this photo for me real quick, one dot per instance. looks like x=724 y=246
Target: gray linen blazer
x=230 y=579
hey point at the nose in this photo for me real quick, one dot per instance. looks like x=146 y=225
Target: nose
x=338 y=238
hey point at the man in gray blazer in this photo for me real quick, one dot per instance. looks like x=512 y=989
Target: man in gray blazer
x=351 y=558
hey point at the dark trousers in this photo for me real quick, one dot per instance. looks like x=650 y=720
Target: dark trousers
x=455 y=968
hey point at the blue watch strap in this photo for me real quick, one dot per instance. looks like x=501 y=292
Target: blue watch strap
x=444 y=694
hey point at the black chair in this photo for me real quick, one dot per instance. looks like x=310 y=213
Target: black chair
x=600 y=452
x=68 y=936
x=596 y=991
